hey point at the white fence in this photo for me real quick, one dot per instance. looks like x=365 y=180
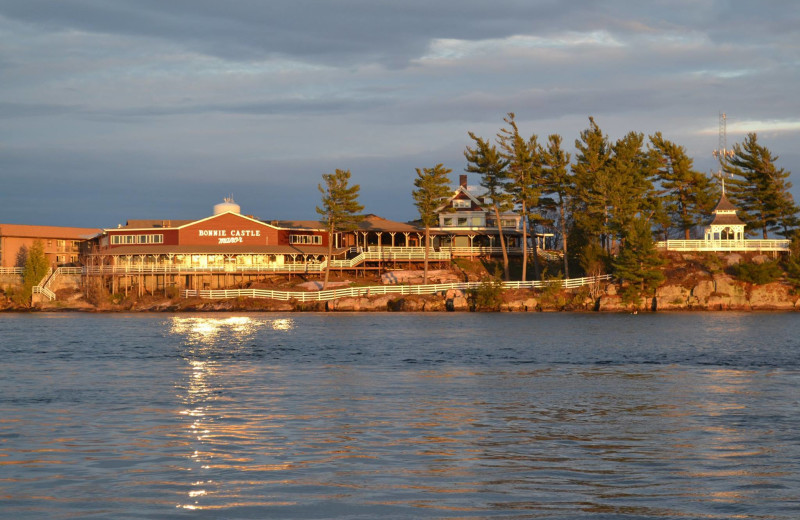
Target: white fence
x=11 y=270
x=724 y=245
x=381 y=289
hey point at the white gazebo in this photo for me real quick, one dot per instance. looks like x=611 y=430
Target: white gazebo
x=725 y=232
x=725 y=225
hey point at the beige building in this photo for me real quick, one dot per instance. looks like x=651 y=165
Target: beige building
x=61 y=244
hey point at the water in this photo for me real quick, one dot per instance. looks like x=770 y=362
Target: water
x=400 y=416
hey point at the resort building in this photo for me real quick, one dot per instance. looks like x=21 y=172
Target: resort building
x=62 y=245
x=468 y=227
x=229 y=249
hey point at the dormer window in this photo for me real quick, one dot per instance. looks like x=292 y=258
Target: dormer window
x=461 y=204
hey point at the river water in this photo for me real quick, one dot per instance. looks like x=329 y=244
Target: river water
x=388 y=416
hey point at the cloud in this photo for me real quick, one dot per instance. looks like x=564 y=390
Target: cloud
x=195 y=97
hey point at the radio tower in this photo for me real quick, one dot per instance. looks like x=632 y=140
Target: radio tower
x=722 y=153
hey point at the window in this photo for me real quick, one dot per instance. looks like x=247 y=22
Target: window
x=137 y=239
x=462 y=221
x=305 y=239
x=448 y=221
x=462 y=203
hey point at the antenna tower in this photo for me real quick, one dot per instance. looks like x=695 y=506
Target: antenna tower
x=722 y=153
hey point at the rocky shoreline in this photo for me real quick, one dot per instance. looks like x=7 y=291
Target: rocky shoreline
x=693 y=283
x=716 y=293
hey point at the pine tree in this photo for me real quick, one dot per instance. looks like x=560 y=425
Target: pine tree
x=593 y=186
x=486 y=161
x=339 y=209
x=760 y=189
x=559 y=184
x=433 y=186
x=638 y=261
x=629 y=172
x=524 y=172
x=689 y=196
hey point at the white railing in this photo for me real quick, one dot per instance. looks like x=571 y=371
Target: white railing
x=406 y=253
x=174 y=269
x=47 y=281
x=381 y=289
x=43 y=287
x=724 y=245
x=11 y=270
x=497 y=250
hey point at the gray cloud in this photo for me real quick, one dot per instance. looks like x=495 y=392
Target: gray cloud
x=115 y=110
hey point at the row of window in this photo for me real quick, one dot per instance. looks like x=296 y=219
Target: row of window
x=305 y=239
x=476 y=222
x=137 y=239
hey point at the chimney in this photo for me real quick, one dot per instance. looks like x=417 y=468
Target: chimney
x=462 y=180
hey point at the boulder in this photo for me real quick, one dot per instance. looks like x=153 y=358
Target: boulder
x=703 y=290
x=672 y=297
x=772 y=296
x=732 y=259
x=610 y=303
x=760 y=259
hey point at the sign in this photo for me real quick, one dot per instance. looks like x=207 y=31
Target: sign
x=229 y=236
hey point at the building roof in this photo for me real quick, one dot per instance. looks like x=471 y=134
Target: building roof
x=727 y=219
x=725 y=214
x=724 y=204
x=56 y=232
x=154 y=223
x=304 y=225
x=375 y=223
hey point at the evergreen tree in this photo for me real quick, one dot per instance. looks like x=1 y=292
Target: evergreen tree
x=638 y=261
x=760 y=189
x=629 y=173
x=433 y=187
x=559 y=184
x=340 y=209
x=524 y=172
x=485 y=160
x=34 y=271
x=689 y=196
x=22 y=256
x=593 y=186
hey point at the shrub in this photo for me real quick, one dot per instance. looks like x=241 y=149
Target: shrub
x=759 y=274
x=488 y=295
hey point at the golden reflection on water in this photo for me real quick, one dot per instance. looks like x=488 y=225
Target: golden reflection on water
x=207 y=330
x=207 y=335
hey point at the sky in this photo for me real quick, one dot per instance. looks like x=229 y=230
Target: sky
x=124 y=109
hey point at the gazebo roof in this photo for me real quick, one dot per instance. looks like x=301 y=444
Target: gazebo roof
x=728 y=219
x=725 y=214
x=724 y=204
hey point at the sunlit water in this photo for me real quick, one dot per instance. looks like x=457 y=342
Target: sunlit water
x=400 y=416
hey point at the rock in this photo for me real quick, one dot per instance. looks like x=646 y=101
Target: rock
x=611 y=289
x=416 y=277
x=361 y=303
x=610 y=303
x=671 y=297
x=732 y=259
x=772 y=296
x=460 y=303
x=530 y=304
x=703 y=290
x=760 y=259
